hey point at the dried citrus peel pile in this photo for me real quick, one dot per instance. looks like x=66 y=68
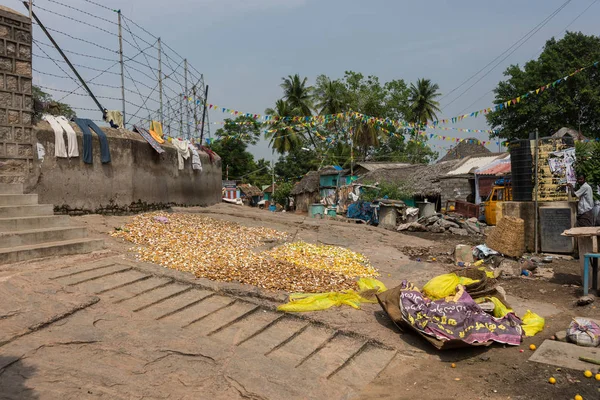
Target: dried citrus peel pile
x=326 y=258
x=223 y=251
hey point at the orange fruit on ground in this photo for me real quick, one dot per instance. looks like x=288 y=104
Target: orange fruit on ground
x=552 y=380
x=532 y=347
x=588 y=374
x=578 y=397
x=453 y=365
x=597 y=377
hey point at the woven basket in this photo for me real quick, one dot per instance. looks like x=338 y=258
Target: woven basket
x=509 y=237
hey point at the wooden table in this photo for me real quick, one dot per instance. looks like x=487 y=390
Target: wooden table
x=587 y=242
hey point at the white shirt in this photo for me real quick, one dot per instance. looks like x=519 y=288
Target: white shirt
x=586 y=199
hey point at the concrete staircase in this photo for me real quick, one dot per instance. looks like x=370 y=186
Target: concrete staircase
x=30 y=230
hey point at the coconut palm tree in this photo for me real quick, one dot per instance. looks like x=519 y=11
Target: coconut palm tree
x=298 y=94
x=282 y=135
x=422 y=101
x=330 y=95
x=299 y=97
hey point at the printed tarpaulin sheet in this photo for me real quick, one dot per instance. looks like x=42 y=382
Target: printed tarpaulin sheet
x=363 y=210
x=146 y=135
x=456 y=318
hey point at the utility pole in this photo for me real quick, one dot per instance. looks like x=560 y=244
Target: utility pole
x=272 y=178
x=195 y=112
x=122 y=67
x=187 y=108
x=537 y=153
x=160 y=86
x=30 y=9
x=227 y=172
x=181 y=116
x=204 y=111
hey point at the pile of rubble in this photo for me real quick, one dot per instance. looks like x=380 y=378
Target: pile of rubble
x=439 y=223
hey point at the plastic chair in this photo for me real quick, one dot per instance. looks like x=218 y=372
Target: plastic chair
x=588 y=259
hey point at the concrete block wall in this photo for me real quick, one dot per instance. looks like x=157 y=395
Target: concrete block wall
x=455 y=189
x=137 y=179
x=16 y=102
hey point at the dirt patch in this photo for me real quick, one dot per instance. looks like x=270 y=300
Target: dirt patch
x=419 y=371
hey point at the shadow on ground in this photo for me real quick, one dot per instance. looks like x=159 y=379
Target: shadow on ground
x=13 y=376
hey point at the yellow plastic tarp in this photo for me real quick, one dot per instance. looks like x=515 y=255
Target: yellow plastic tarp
x=532 y=323
x=500 y=310
x=368 y=287
x=445 y=285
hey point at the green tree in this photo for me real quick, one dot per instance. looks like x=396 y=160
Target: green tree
x=588 y=163
x=261 y=175
x=296 y=163
x=330 y=95
x=232 y=146
x=574 y=103
x=282 y=192
x=243 y=128
x=44 y=104
x=282 y=135
x=299 y=97
x=423 y=105
x=298 y=94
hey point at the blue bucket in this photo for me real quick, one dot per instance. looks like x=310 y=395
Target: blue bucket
x=272 y=208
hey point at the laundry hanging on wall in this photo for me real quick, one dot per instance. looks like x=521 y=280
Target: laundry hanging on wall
x=149 y=138
x=85 y=125
x=60 y=126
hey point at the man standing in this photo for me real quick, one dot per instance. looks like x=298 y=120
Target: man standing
x=585 y=214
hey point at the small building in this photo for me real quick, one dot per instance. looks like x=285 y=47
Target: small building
x=268 y=192
x=486 y=177
x=330 y=179
x=420 y=181
x=229 y=190
x=250 y=194
x=306 y=192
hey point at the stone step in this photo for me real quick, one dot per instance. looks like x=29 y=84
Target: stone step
x=65 y=247
x=33 y=236
x=28 y=223
x=18 y=199
x=11 y=188
x=26 y=210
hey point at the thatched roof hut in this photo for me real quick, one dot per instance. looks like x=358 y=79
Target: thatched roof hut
x=419 y=179
x=308 y=184
x=249 y=190
x=465 y=148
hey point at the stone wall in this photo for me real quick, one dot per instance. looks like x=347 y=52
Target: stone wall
x=16 y=146
x=137 y=179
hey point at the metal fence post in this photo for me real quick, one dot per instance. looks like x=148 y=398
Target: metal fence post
x=122 y=67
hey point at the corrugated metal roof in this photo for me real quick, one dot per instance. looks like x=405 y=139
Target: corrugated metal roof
x=498 y=167
x=474 y=163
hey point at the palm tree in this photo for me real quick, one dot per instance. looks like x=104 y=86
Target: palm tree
x=297 y=94
x=423 y=104
x=332 y=98
x=330 y=95
x=299 y=97
x=283 y=137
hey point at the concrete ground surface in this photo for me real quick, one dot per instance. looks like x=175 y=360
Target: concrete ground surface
x=105 y=326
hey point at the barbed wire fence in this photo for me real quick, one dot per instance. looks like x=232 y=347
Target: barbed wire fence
x=126 y=66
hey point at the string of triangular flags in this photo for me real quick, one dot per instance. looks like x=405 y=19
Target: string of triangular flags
x=431 y=125
x=514 y=101
x=324 y=119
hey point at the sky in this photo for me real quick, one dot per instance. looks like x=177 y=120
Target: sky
x=244 y=47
